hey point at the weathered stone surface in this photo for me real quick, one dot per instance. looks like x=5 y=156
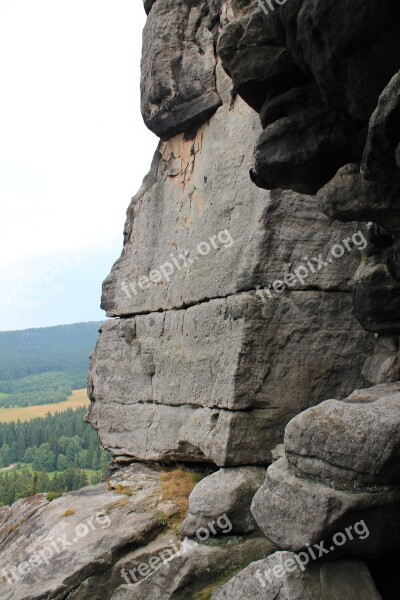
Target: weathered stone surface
x=235 y=354
x=185 y=201
x=379 y=160
x=355 y=442
x=73 y=540
x=13 y=516
x=351 y=197
x=148 y=4
x=178 y=89
x=384 y=364
x=102 y=585
x=187 y=574
x=156 y=432
x=350 y=71
x=324 y=512
x=253 y=54
x=228 y=491
x=377 y=297
x=374 y=393
x=303 y=143
x=339 y=580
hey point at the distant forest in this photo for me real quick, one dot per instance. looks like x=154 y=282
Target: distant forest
x=42 y=366
x=56 y=452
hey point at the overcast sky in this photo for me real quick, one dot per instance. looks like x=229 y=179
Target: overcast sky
x=73 y=151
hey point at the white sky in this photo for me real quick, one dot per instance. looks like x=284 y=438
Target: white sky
x=73 y=150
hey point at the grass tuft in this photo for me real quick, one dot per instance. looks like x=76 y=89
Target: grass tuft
x=120 y=489
x=177 y=486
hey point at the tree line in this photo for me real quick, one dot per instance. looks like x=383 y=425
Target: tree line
x=14 y=486
x=41 y=366
x=62 y=442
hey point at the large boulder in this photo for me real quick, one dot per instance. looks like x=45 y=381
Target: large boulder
x=178 y=66
x=192 y=570
x=352 y=443
x=55 y=549
x=380 y=159
x=282 y=576
x=304 y=140
x=229 y=492
x=352 y=523
x=351 y=197
x=377 y=296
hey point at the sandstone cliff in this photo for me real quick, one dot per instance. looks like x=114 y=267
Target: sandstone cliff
x=254 y=331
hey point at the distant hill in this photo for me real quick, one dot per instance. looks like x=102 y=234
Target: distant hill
x=44 y=365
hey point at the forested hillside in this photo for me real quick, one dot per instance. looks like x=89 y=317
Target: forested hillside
x=40 y=366
x=62 y=449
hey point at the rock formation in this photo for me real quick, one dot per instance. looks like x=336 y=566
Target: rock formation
x=254 y=331
x=203 y=245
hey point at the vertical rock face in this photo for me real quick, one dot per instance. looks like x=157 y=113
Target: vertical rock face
x=232 y=323
x=332 y=102
x=339 y=469
x=206 y=363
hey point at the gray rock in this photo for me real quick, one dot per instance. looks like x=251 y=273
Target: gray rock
x=377 y=296
x=351 y=197
x=229 y=350
x=328 y=95
x=236 y=355
x=228 y=491
x=278 y=452
x=253 y=54
x=303 y=143
x=194 y=569
x=379 y=159
x=295 y=513
x=342 y=48
x=279 y=577
x=185 y=202
x=147 y=557
x=350 y=443
x=53 y=549
x=154 y=432
x=148 y=4
x=374 y=393
x=178 y=89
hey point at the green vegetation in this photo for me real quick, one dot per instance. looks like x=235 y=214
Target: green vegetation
x=14 y=485
x=46 y=388
x=59 y=452
x=43 y=366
